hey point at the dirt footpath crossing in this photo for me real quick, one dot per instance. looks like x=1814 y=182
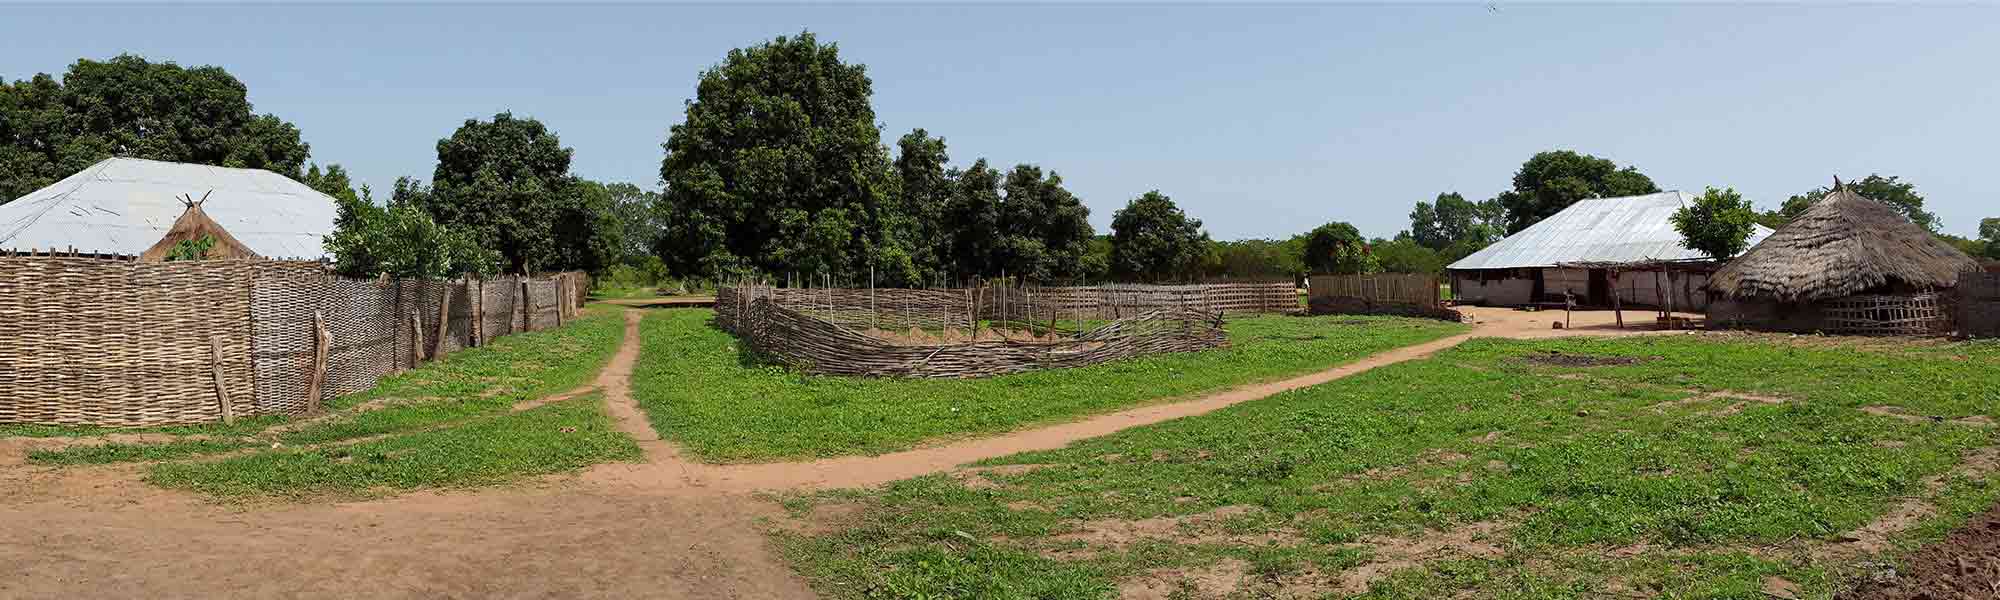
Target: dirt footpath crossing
x=670 y=528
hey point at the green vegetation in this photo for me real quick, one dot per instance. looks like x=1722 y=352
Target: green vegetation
x=1718 y=224
x=702 y=390
x=127 y=106
x=559 y=437
x=464 y=385
x=1698 y=468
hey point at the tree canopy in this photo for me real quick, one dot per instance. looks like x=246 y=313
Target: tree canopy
x=128 y=106
x=506 y=183
x=401 y=240
x=1404 y=255
x=1551 y=181
x=778 y=167
x=1718 y=224
x=1152 y=240
x=1045 y=230
x=1338 y=248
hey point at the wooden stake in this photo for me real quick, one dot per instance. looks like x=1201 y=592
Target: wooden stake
x=221 y=391
x=1615 y=309
x=444 y=321
x=527 y=307
x=321 y=343
x=477 y=294
x=416 y=340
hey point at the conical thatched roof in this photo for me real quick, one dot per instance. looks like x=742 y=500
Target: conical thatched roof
x=195 y=224
x=1843 y=245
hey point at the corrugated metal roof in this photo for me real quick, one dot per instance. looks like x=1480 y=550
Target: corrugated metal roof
x=125 y=205
x=1627 y=229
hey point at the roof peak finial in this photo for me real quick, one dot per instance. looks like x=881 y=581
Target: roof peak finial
x=1836 y=183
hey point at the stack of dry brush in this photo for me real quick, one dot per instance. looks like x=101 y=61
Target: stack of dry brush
x=825 y=330
x=125 y=344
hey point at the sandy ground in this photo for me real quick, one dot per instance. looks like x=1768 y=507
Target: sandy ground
x=668 y=528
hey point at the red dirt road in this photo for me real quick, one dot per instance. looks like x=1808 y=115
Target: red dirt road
x=669 y=528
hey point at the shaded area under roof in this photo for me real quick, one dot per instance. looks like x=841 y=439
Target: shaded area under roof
x=1598 y=230
x=125 y=205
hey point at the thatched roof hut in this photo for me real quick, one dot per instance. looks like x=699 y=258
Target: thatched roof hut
x=1842 y=246
x=195 y=224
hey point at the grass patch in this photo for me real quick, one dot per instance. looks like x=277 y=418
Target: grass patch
x=118 y=453
x=1633 y=479
x=559 y=437
x=464 y=384
x=700 y=389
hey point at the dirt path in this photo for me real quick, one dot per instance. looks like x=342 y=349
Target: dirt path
x=670 y=528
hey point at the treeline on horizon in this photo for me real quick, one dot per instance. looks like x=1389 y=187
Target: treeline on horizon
x=777 y=171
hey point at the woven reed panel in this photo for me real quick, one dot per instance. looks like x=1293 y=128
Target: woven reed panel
x=458 y=331
x=360 y=317
x=1976 y=302
x=502 y=314
x=818 y=346
x=546 y=300
x=86 y=341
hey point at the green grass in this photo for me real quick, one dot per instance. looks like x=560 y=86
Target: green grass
x=623 y=293
x=564 y=436
x=701 y=390
x=1571 y=462
x=465 y=384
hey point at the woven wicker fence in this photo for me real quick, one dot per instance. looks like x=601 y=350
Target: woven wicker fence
x=1977 y=304
x=1908 y=314
x=827 y=337
x=1383 y=293
x=122 y=344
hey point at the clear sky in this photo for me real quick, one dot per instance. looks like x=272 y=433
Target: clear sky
x=1263 y=121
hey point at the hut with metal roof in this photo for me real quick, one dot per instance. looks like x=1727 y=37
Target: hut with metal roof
x=1569 y=253
x=1848 y=264
x=122 y=207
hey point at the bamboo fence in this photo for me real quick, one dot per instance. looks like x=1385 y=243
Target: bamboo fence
x=1910 y=314
x=820 y=331
x=1977 y=300
x=124 y=344
x=1382 y=293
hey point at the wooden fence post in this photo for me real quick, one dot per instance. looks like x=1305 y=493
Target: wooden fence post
x=444 y=321
x=478 y=299
x=321 y=342
x=527 y=307
x=221 y=391
x=562 y=297
x=416 y=339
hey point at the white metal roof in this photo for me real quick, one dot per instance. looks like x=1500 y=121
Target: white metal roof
x=125 y=205
x=1632 y=228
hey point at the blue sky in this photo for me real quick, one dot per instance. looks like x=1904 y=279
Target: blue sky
x=1263 y=121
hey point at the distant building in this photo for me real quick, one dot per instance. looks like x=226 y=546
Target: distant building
x=1525 y=268
x=124 y=207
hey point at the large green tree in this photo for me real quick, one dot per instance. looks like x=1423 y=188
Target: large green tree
x=401 y=240
x=128 y=106
x=506 y=182
x=1405 y=255
x=1551 y=181
x=1153 y=240
x=1338 y=248
x=925 y=192
x=1455 y=227
x=1718 y=224
x=1989 y=236
x=1045 y=229
x=1257 y=259
x=1891 y=190
x=778 y=167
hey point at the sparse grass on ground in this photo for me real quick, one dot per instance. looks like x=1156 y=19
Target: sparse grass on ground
x=701 y=390
x=1702 y=469
x=465 y=384
x=558 y=437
